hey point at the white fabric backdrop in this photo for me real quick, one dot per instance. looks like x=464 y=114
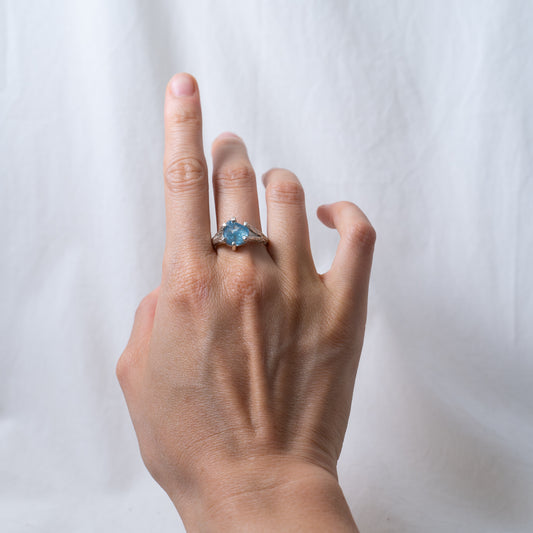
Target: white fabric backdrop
x=419 y=111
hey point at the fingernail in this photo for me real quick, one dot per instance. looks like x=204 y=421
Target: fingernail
x=182 y=85
x=228 y=135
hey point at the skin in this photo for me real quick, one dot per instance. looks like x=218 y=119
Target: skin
x=240 y=368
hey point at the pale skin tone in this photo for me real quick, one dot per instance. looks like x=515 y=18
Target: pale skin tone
x=240 y=368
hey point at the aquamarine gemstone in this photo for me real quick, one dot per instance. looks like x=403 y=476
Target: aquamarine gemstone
x=235 y=234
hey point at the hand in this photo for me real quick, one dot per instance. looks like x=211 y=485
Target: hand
x=240 y=368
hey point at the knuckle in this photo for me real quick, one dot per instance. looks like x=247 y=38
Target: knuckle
x=189 y=284
x=123 y=367
x=245 y=284
x=285 y=192
x=361 y=234
x=235 y=177
x=184 y=115
x=146 y=305
x=184 y=174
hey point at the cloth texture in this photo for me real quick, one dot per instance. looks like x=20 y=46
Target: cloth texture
x=421 y=112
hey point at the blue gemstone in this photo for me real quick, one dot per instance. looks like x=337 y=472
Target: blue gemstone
x=235 y=234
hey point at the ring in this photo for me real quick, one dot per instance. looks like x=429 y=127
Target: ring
x=234 y=234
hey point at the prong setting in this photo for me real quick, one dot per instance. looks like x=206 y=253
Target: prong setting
x=233 y=234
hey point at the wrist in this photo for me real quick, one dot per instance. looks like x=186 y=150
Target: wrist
x=267 y=496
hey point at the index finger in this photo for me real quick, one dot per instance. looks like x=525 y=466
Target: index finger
x=185 y=171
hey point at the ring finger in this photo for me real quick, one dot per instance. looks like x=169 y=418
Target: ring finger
x=234 y=183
